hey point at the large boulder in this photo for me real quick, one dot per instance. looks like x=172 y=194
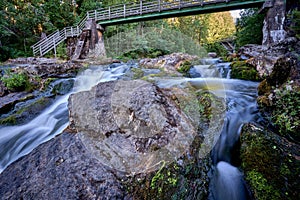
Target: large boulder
x=265 y=58
x=126 y=140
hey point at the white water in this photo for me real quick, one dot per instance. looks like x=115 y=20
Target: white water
x=17 y=141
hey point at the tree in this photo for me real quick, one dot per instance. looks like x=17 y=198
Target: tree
x=249 y=27
x=220 y=26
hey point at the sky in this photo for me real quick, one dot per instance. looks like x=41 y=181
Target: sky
x=235 y=13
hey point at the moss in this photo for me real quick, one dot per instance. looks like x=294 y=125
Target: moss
x=47 y=82
x=243 y=70
x=185 y=67
x=270 y=164
x=11 y=120
x=26 y=113
x=263 y=190
x=137 y=73
x=171 y=182
x=264 y=87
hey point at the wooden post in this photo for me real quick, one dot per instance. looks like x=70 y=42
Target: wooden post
x=78 y=32
x=124 y=10
x=65 y=32
x=95 y=15
x=141 y=7
x=40 y=50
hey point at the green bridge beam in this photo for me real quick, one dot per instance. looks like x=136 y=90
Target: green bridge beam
x=210 y=8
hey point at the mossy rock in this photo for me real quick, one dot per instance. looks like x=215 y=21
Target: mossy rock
x=243 y=70
x=184 y=67
x=27 y=113
x=270 y=164
x=189 y=181
x=264 y=87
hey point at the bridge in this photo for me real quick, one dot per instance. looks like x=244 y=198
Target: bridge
x=140 y=11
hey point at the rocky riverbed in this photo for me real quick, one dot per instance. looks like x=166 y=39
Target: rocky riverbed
x=119 y=130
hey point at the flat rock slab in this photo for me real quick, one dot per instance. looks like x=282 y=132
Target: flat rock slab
x=8 y=101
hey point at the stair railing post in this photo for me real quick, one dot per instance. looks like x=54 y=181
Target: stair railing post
x=88 y=15
x=65 y=33
x=78 y=30
x=72 y=31
x=95 y=15
x=141 y=7
x=109 y=12
x=124 y=10
x=54 y=46
x=40 y=50
x=179 y=4
x=159 y=6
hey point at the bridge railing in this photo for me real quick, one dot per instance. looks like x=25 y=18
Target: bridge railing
x=141 y=7
x=115 y=12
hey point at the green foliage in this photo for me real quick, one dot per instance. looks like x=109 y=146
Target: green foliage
x=217 y=48
x=249 y=27
x=261 y=188
x=286 y=113
x=295 y=16
x=151 y=38
x=220 y=26
x=16 y=82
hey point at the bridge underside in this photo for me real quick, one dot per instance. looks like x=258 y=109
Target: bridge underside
x=231 y=5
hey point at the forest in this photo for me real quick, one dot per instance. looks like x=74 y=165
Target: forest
x=22 y=22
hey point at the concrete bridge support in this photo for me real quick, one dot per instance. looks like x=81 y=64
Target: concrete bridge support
x=273 y=29
x=90 y=43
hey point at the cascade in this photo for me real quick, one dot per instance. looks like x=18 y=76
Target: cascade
x=238 y=96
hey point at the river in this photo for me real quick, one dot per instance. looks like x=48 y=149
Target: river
x=239 y=97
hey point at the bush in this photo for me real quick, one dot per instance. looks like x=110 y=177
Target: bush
x=16 y=82
x=286 y=113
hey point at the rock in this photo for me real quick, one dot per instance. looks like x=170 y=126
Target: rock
x=60 y=169
x=271 y=164
x=264 y=58
x=170 y=63
x=3 y=89
x=130 y=140
x=136 y=114
x=25 y=112
x=7 y=102
x=243 y=70
x=135 y=127
x=212 y=54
